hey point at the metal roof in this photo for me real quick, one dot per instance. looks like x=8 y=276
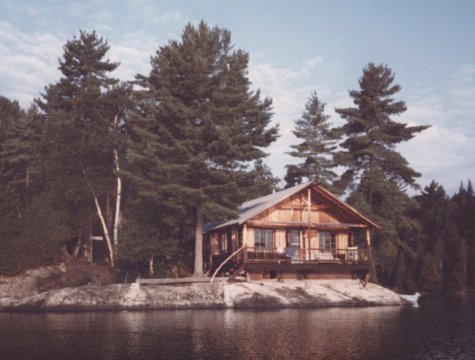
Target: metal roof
x=253 y=207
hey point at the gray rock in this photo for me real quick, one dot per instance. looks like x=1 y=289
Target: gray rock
x=268 y=294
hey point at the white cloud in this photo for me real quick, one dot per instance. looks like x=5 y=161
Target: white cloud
x=29 y=62
x=444 y=152
x=289 y=88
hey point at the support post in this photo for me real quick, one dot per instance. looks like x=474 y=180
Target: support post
x=368 y=242
x=244 y=236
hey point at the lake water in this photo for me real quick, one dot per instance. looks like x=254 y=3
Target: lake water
x=439 y=329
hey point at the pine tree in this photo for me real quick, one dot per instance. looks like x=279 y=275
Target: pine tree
x=260 y=181
x=376 y=174
x=19 y=158
x=10 y=114
x=433 y=216
x=82 y=132
x=464 y=207
x=317 y=146
x=203 y=126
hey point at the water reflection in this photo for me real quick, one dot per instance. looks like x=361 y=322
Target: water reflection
x=433 y=331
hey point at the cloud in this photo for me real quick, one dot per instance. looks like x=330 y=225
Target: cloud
x=29 y=62
x=133 y=52
x=444 y=152
x=289 y=88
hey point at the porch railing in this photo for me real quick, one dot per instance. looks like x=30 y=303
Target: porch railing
x=304 y=256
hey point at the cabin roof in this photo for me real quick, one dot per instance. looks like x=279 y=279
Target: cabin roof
x=253 y=207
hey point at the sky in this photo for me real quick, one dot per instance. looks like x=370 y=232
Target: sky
x=296 y=47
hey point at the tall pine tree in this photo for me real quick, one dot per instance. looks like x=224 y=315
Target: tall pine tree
x=377 y=175
x=82 y=134
x=318 y=142
x=204 y=127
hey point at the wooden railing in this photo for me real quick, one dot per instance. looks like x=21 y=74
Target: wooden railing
x=305 y=256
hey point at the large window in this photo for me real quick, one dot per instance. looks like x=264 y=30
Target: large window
x=327 y=241
x=263 y=238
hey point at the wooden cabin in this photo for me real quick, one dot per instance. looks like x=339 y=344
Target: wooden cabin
x=303 y=232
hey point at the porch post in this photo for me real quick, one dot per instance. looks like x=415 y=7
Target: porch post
x=368 y=242
x=244 y=235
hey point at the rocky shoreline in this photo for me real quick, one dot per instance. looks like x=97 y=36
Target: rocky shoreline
x=240 y=295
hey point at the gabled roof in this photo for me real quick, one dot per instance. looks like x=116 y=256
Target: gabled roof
x=253 y=207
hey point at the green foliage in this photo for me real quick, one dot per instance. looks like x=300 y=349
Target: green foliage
x=318 y=143
x=377 y=175
x=83 y=130
x=197 y=128
x=259 y=181
x=464 y=209
x=35 y=238
x=141 y=240
x=442 y=250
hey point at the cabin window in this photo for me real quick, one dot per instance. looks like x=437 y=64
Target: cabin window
x=263 y=238
x=294 y=237
x=327 y=241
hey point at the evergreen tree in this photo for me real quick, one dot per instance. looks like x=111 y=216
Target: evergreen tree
x=316 y=149
x=19 y=159
x=377 y=175
x=81 y=133
x=201 y=126
x=464 y=204
x=433 y=216
x=260 y=181
x=10 y=114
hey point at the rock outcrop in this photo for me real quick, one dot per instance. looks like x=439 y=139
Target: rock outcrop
x=268 y=294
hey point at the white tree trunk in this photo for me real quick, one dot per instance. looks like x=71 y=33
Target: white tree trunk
x=101 y=218
x=119 y=190
x=117 y=199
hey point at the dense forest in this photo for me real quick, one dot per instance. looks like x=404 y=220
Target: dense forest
x=141 y=165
